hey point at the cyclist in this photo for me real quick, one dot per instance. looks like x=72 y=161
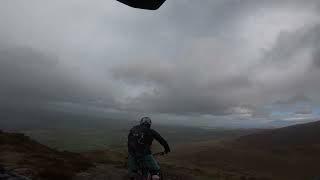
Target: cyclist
x=139 y=148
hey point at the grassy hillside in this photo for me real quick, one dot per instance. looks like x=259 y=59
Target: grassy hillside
x=21 y=154
x=290 y=153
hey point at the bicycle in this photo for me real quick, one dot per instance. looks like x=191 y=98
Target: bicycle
x=144 y=173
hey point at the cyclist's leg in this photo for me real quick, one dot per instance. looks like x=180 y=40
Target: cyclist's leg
x=132 y=166
x=152 y=165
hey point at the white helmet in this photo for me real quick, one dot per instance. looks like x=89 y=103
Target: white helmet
x=145 y=121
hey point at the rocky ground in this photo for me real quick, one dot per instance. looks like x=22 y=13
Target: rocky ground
x=6 y=174
x=102 y=172
x=110 y=172
x=111 y=165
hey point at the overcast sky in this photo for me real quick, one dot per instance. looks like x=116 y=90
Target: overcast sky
x=189 y=61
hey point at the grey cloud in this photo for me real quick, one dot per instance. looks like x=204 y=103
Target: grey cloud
x=173 y=88
x=290 y=44
x=316 y=57
x=304 y=111
x=294 y=100
x=200 y=84
x=210 y=17
x=189 y=57
x=289 y=67
x=29 y=76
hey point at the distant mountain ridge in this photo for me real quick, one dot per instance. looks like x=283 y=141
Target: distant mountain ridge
x=296 y=135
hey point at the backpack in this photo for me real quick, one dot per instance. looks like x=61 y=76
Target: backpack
x=136 y=140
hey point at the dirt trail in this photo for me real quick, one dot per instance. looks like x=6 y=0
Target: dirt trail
x=110 y=172
x=102 y=172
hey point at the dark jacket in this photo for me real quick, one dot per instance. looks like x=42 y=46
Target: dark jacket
x=140 y=140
